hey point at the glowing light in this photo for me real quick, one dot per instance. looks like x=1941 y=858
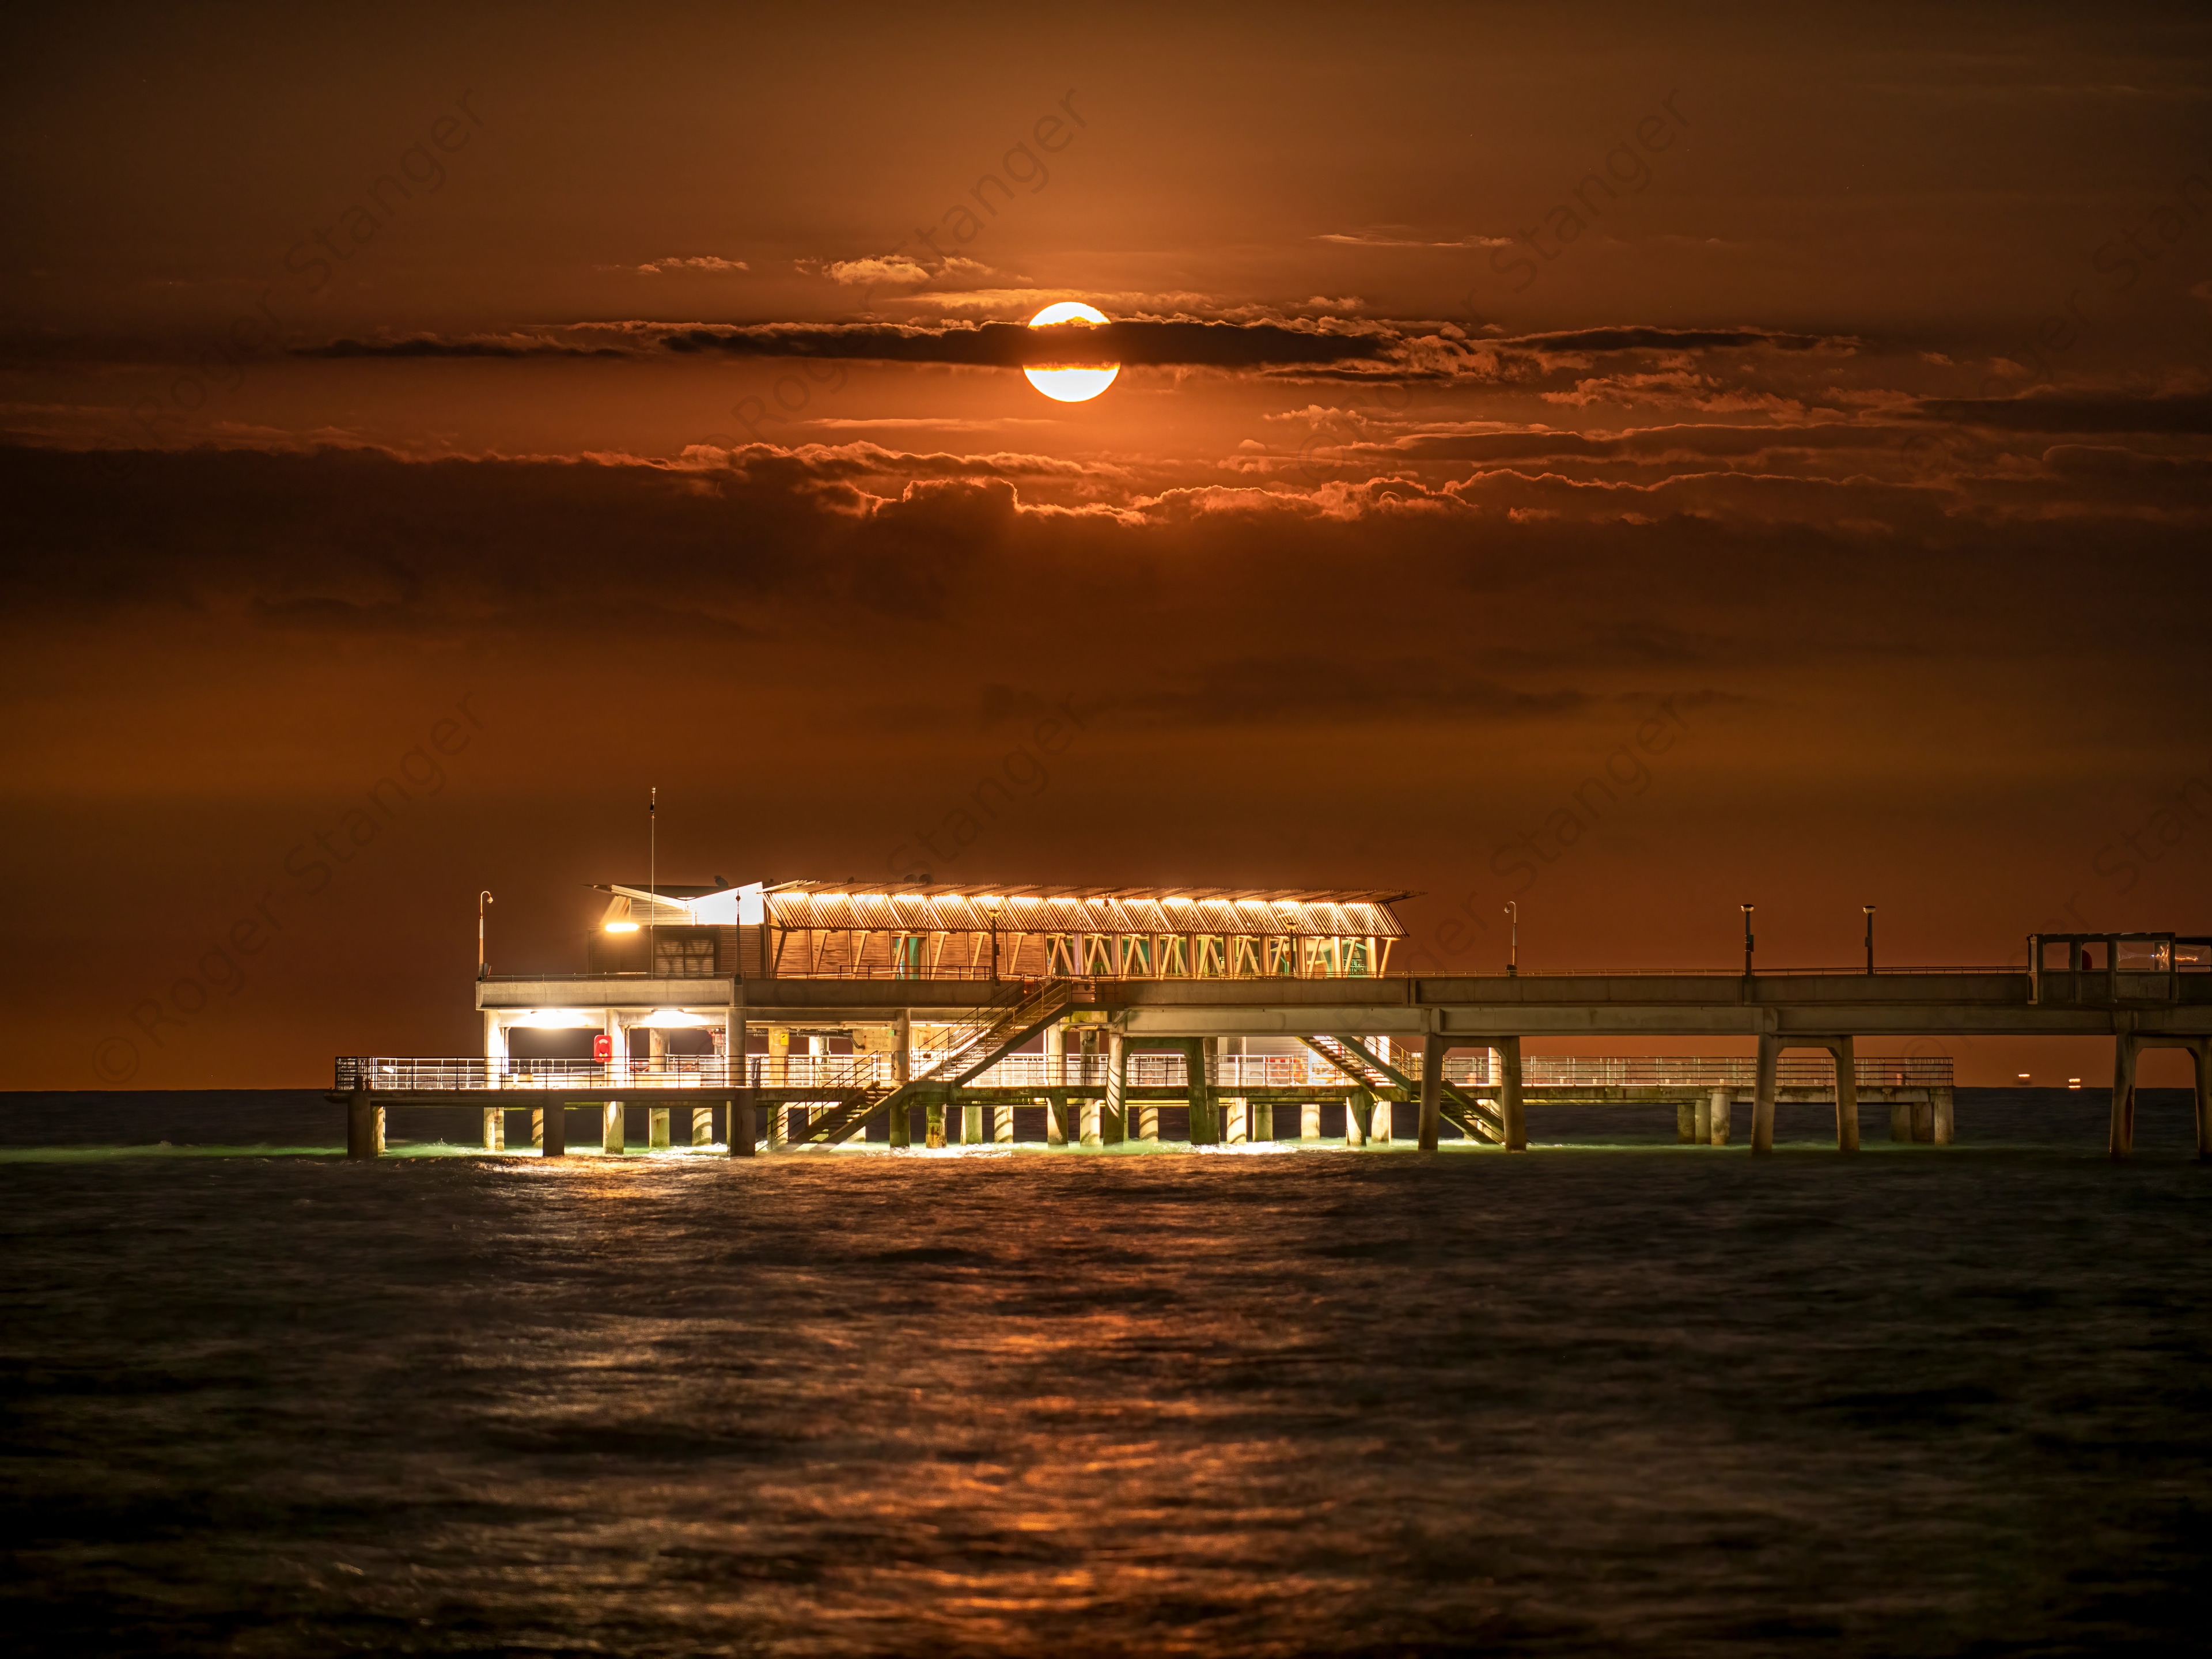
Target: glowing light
x=1070 y=383
x=622 y=927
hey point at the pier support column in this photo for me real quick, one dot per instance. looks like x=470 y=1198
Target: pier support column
x=2200 y=1052
x=1900 y=1120
x=1686 y=1113
x=1055 y=1120
x=1847 y=1092
x=1722 y=1108
x=1381 y=1120
x=971 y=1123
x=1117 y=1094
x=364 y=1125
x=899 y=1130
x=2122 y=1140
x=1234 y=1131
x=1510 y=1106
x=1199 y=1071
x=778 y=1127
x=1002 y=1123
x=1767 y=1074
x=1092 y=1134
x=1943 y=1122
x=1432 y=1089
x=1309 y=1120
x=737 y=1041
x=702 y=1126
x=657 y=1128
x=494 y=1130
x=1923 y=1120
x=538 y=1128
x=1358 y=1117
x=933 y=1125
x=552 y=1126
x=611 y=1138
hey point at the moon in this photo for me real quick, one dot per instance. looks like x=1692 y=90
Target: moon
x=1070 y=383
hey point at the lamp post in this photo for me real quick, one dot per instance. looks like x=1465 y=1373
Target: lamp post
x=483 y=899
x=1513 y=949
x=1746 y=941
x=991 y=910
x=1868 y=909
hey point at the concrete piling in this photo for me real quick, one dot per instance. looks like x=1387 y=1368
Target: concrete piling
x=2200 y=1052
x=2121 y=1140
x=657 y=1126
x=1309 y=1120
x=1002 y=1123
x=613 y=1132
x=1847 y=1092
x=1432 y=1091
x=1358 y=1117
x=551 y=1128
x=364 y=1125
x=1768 y=1072
x=745 y=1124
x=494 y=1130
x=702 y=1126
x=1687 y=1115
x=1510 y=1106
x=1720 y=1109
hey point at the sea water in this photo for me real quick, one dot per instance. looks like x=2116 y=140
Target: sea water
x=1612 y=1397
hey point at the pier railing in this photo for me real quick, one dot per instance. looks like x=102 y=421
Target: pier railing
x=836 y=1074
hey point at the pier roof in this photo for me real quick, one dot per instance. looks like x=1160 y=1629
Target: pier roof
x=915 y=908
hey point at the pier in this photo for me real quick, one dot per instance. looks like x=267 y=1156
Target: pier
x=804 y=1018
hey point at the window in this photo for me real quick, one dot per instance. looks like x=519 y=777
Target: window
x=685 y=954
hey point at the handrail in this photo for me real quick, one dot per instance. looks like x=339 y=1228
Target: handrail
x=839 y=1076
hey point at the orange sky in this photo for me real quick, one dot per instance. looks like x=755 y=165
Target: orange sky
x=1834 y=378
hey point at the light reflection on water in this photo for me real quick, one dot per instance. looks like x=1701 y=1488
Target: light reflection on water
x=1639 y=1400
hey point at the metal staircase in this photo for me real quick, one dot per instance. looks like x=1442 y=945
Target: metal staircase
x=1003 y=1025
x=1476 y=1119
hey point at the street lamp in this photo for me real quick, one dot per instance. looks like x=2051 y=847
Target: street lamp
x=1746 y=941
x=991 y=910
x=1868 y=909
x=483 y=898
x=1513 y=950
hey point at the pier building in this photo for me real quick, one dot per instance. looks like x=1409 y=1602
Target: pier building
x=806 y=1016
